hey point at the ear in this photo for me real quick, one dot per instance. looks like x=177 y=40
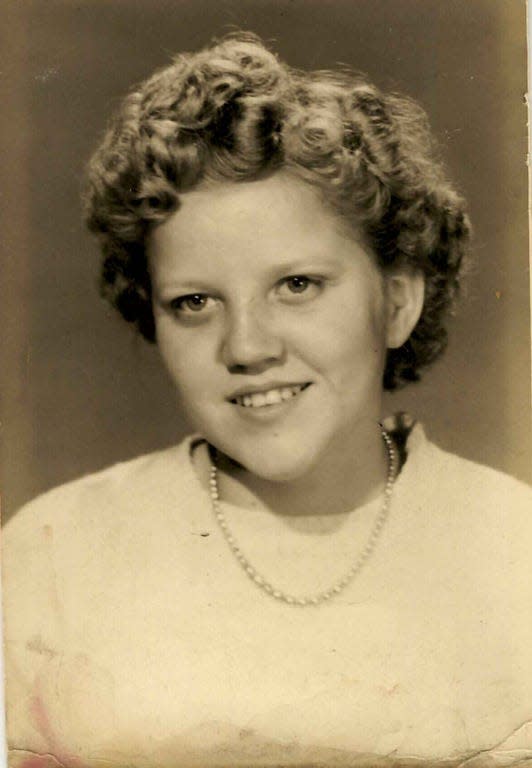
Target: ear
x=405 y=293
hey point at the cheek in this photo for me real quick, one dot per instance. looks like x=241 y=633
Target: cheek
x=190 y=360
x=350 y=340
x=177 y=357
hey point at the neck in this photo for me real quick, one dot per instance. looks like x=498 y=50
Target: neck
x=348 y=476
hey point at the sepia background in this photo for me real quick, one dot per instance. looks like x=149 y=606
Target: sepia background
x=78 y=390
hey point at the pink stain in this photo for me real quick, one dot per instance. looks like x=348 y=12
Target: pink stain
x=57 y=755
x=39 y=761
x=48 y=531
x=40 y=719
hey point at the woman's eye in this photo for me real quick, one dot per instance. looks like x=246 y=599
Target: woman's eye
x=193 y=303
x=299 y=285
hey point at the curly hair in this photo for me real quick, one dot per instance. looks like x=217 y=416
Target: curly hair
x=233 y=111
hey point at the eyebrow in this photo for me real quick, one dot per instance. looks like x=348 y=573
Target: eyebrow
x=181 y=287
x=193 y=283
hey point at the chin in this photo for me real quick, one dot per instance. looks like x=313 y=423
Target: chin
x=277 y=466
x=274 y=452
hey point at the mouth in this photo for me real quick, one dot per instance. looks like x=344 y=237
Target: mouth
x=269 y=397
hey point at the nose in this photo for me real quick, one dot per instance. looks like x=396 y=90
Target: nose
x=251 y=342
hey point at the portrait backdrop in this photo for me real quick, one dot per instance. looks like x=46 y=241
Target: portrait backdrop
x=79 y=390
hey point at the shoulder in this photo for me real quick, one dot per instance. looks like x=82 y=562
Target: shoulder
x=85 y=501
x=490 y=510
x=476 y=519
x=74 y=544
x=469 y=528
x=67 y=527
x=442 y=477
x=459 y=481
x=478 y=527
x=495 y=507
x=77 y=548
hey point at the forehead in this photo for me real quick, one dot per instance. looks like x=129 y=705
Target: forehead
x=269 y=219
x=229 y=208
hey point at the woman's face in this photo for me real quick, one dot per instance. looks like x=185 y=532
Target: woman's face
x=271 y=321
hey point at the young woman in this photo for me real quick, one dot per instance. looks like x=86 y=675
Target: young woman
x=298 y=582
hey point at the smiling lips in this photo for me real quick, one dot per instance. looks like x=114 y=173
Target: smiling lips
x=268 y=397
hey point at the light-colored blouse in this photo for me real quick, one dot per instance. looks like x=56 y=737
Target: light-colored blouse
x=134 y=638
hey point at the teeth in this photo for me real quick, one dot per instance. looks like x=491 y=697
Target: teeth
x=271 y=397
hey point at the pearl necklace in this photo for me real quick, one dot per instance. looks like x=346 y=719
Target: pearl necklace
x=342 y=583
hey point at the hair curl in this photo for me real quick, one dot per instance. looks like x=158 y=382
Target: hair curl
x=233 y=111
